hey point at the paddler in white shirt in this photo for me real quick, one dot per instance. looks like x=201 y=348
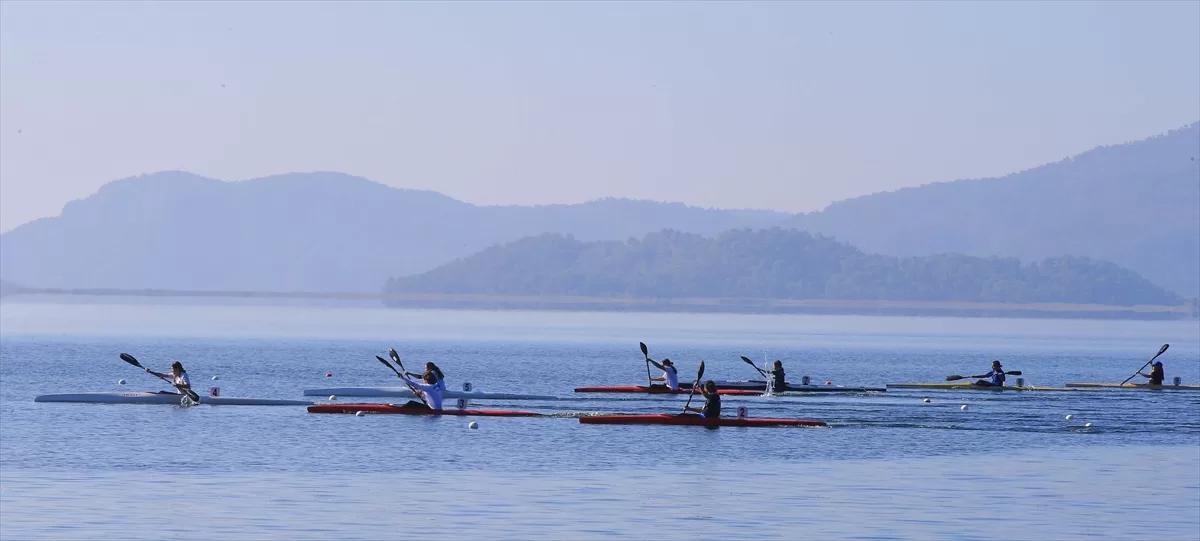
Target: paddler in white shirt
x=670 y=375
x=431 y=368
x=429 y=389
x=178 y=376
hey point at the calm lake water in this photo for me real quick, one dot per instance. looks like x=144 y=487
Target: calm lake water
x=891 y=466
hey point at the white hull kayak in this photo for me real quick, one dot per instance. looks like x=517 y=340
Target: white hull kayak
x=164 y=398
x=405 y=392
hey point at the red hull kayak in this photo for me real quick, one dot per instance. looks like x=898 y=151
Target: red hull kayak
x=660 y=390
x=402 y=410
x=691 y=420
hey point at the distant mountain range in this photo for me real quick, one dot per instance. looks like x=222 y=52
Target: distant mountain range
x=773 y=264
x=299 y=232
x=1136 y=204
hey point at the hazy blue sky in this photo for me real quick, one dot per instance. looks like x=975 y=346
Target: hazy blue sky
x=770 y=105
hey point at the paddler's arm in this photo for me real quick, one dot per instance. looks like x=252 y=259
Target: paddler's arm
x=658 y=366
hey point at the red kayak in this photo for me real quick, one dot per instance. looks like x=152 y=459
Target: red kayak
x=405 y=410
x=660 y=390
x=691 y=420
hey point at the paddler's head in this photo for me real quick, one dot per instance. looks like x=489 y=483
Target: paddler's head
x=429 y=378
x=1157 y=364
x=177 y=367
x=667 y=362
x=995 y=365
x=710 y=386
x=778 y=364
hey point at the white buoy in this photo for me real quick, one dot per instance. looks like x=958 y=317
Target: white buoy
x=1087 y=425
x=214 y=378
x=1069 y=417
x=333 y=397
x=926 y=400
x=122 y=382
x=359 y=413
x=473 y=425
x=964 y=407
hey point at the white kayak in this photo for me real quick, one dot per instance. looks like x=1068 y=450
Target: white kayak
x=164 y=398
x=407 y=393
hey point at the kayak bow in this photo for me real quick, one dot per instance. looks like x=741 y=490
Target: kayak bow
x=164 y=398
x=759 y=385
x=659 y=390
x=407 y=410
x=691 y=420
x=405 y=392
x=1139 y=386
x=973 y=387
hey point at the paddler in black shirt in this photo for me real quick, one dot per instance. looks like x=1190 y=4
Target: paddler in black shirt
x=777 y=379
x=712 y=401
x=1156 y=375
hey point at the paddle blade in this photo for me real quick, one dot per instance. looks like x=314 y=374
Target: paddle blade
x=700 y=372
x=748 y=361
x=1163 y=349
x=954 y=378
x=389 y=365
x=129 y=359
x=645 y=350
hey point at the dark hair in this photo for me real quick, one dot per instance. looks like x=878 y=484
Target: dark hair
x=435 y=369
x=710 y=386
x=178 y=365
x=778 y=362
x=429 y=378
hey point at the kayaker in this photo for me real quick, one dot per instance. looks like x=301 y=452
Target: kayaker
x=670 y=375
x=778 y=382
x=431 y=368
x=712 y=401
x=1156 y=375
x=178 y=376
x=429 y=389
x=996 y=375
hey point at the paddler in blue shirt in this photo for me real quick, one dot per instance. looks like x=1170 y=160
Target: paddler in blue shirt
x=712 y=401
x=670 y=375
x=996 y=375
x=1156 y=375
x=429 y=389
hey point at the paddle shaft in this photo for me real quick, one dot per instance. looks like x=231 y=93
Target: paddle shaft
x=646 y=354
x=1161 y=350
x=696 y=383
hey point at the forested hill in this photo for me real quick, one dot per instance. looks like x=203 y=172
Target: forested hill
x=772 y=264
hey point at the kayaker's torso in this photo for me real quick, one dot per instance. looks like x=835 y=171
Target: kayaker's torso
x=672 y=377
x=432 y=392
x=712 y=405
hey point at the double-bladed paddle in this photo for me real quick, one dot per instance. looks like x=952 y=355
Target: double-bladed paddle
x=396 y=357
x=696 y=383
x=646 y=354
x=755 y=366
x=956 y=378
x=1161 y=350
x=190 y=393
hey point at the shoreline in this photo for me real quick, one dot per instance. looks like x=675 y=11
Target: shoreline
x=615 y=304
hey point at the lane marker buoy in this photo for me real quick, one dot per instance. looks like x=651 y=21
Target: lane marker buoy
x=473 y=425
